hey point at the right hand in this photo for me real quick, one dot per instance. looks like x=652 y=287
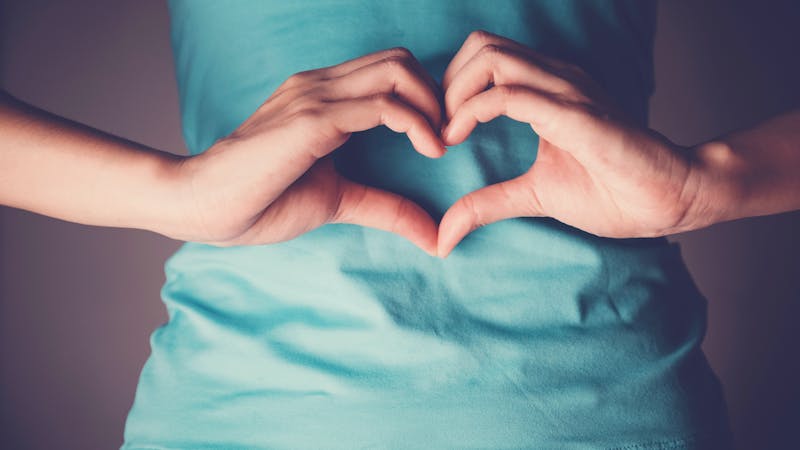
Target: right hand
x=596 y=169
x=273 y=179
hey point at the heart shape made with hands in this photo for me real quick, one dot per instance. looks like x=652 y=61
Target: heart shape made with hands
x=595 y=169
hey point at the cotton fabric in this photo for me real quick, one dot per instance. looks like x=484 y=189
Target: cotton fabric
x=531 y=334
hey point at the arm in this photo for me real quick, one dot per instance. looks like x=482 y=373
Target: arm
x=752 y=172
x=269 y=181
x=62 y=169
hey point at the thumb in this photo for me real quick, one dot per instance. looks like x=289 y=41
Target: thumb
x=376 y=208
x=512 y=198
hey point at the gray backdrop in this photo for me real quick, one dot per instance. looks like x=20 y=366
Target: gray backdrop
x=78 y=303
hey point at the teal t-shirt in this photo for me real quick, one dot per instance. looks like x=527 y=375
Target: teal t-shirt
x=531 y=334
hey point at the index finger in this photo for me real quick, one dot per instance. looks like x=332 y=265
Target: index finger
x=351 y=65
x=364 y=113
x=570 y=127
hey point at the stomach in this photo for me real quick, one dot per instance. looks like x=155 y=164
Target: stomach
x=532 y=333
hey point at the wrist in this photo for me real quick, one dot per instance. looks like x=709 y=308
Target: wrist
x=720 y=191
x=187 y=223
x=170 y=192
x=207 y=215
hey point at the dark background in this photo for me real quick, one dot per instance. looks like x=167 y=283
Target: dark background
x=78 y=303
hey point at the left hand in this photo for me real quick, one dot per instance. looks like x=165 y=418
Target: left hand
x=595 y=169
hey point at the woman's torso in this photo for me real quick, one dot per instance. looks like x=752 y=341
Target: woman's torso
x=531 y=334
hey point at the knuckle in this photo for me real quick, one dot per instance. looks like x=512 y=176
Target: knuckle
x=468 y=202
x=304 y=103
x=491 y=51
x=480 y=37
x=299 y=78
x=395 y=65
x=382 y=100
x=567 y=89
x=308 y=118
x=506 y=91
x=314 y=95
x=289 y=92
x=399 y=52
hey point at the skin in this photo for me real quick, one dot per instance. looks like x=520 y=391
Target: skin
x=268 y=181
x=272 y=179
x=595 y=169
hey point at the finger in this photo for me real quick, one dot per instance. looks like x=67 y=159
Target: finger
x=393 y=75
x=396 y=52
x=493 y=64
x=359 y=114
x=375 y=208
x=564 y=125
x=343 y=68
x=338 y=70
x=512 y=198
x=481 y=38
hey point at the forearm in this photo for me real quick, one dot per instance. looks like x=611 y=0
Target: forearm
x=62 y=169
x=751 y=172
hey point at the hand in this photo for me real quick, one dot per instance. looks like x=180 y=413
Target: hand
x=273 y=179
x=594 y=170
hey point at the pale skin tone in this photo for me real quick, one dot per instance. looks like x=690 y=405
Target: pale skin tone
x=272 y=179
